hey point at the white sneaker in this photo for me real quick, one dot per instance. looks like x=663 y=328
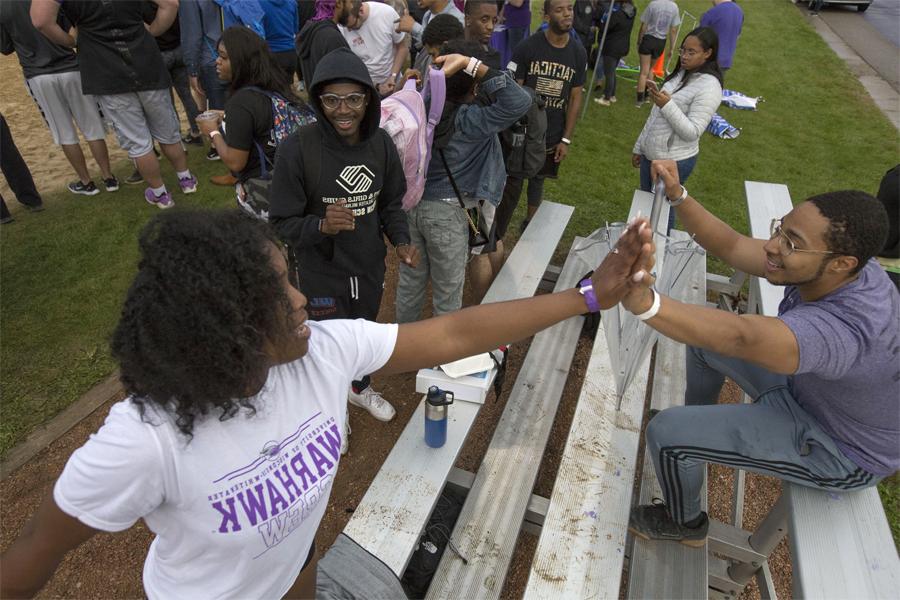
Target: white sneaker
x=373 y=402
x=345 y=440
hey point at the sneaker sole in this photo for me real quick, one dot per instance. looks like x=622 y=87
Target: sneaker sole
x=189 y=190
x=94 y=193
x=112 y=189
x=214 y=158
x=366 y=408
x=689 y=543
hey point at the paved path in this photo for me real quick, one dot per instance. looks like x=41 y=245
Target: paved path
x=871 y=56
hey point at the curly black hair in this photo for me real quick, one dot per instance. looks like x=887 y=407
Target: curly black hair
x=459 y=84
x=858 y=224
x=203 y=305
x=442 y=28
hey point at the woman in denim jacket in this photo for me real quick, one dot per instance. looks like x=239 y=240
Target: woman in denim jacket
x=467 y=139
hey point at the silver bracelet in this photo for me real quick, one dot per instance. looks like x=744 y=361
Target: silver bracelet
x=680 y=199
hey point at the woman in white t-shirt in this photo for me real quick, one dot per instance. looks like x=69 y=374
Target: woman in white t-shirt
x=229 y=442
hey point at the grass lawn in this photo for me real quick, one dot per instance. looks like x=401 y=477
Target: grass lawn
x=65 y=271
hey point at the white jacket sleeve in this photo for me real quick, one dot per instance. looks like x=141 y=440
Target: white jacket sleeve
x=689 y=127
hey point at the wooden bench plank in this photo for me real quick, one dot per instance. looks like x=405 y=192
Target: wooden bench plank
x=662 y=569
x=490 y=520
x=395 y=509
x=841 y=545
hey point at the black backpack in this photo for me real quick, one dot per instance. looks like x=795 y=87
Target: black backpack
x=524 y=144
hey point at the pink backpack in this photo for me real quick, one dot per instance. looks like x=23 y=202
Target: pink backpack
x=404 y=118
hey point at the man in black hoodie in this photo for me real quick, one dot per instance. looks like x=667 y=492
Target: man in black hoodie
x=336 y=191
x=321 y=35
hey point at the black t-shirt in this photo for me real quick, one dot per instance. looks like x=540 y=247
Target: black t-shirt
x=169 y=39
x=116 y=53
x=37 y=54
x=552 y=73
x=247 y=122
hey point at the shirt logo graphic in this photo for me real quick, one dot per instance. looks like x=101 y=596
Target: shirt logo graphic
x=356 y=179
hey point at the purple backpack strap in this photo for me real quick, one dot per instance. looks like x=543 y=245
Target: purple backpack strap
x=437 y=88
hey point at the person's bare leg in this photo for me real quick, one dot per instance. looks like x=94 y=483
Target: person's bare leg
x=148 y=166
x=644 y=74
x=76 y=158
x=532 y=210
x=101 y=154
x=176 y=155
x=480 y=276
x=497 y=258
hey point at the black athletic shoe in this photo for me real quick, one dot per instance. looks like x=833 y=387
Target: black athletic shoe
x=34 y=207
x=652 y=522
x=7 y=220
x=193 y=140
x=212 y=154
x=85 y=189
x=135 y=178
x=111 y=184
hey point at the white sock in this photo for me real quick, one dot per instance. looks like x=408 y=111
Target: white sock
x=183 y=174
x=159 y=191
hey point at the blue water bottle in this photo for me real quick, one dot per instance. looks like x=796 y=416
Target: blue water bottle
x=436 y=403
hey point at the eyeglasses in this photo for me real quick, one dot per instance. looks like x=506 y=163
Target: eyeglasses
x=689 y=52
x=785 y=243
x=353 y=100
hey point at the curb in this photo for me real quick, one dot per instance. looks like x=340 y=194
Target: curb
x=883 y=95
x=41 y=438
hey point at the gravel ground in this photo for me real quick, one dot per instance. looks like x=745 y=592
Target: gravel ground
x=109 y=565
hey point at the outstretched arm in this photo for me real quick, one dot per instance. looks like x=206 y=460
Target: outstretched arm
x=45 y=540
x=764 y=341
x=485 y=327
x=718 y=238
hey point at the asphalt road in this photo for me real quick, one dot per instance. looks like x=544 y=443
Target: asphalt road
x=874 y=35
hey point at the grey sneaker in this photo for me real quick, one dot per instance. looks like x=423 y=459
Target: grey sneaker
x=85 y=189
x=373 y=402
x=345 y=440
x=652 y=522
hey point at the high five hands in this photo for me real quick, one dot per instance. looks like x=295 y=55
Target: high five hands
x=627 y=266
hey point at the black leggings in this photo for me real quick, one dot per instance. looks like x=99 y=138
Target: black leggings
x=609 y=72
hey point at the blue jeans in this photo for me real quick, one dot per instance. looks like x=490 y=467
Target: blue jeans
x=438 y=230
x=773 y=435
x=178 y=73
x=685 y=167
x=215 y=89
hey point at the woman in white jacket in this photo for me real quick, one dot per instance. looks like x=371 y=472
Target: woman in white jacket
x=687 y=101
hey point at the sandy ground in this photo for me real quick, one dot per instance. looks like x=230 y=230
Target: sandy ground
x=45 y=160
x=109 y=565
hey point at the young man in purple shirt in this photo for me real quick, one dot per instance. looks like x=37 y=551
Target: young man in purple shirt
x=725 y=18
x=824 y=374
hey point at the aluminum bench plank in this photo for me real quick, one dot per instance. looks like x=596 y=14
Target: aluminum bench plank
x=396 y=507
x=491 y=517
x=669 y=570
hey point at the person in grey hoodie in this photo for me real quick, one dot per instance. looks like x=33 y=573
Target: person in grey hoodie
x=336 y=192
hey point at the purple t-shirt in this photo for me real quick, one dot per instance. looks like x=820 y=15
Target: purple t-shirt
x=849 y=373
x=726 y=20
x=517 y=16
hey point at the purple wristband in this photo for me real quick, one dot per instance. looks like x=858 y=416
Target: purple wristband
x=586 y=289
